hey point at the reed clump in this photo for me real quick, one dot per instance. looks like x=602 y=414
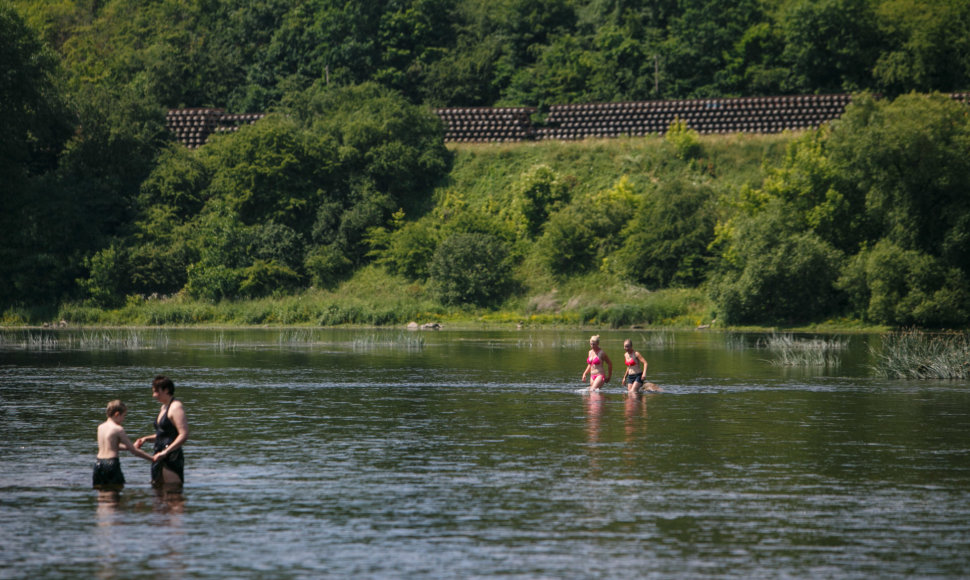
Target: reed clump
x=811 y=352
x=914 y=354
x=97 y=339
x=401 y=340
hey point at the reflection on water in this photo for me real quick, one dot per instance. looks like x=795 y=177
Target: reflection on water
x=126 y=520
x=108 y=502
x=635 y=418
x=338 y=454
x=594 y=415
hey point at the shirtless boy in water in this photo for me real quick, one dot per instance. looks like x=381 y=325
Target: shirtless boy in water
x=111 y=438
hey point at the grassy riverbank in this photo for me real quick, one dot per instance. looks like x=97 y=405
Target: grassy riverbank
x=375 y=298
x=481 y=177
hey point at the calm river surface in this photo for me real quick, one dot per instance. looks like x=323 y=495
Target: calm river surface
x=385 y=454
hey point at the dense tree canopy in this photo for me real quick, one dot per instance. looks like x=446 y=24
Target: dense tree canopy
x=283 y=203
x=248 y=56
x=868 y=218
x=880 y=200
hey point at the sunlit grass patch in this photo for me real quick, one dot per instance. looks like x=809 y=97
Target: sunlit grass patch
x=918 y=355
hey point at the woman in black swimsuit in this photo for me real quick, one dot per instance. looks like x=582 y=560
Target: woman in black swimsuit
x=171 y=432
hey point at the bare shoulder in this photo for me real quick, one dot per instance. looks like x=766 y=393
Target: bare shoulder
x=177 y=413
x=109 y=431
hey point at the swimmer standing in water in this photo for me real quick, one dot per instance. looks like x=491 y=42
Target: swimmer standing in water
x=635 y=377
x=171 y=432
x=594 y=365
x=112 y=438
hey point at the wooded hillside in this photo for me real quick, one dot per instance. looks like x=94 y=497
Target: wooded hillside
x=866 y=218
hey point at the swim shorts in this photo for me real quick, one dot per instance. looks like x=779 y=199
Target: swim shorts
x=107 y=472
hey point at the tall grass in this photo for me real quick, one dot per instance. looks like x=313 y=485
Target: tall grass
x=400 y=340
x=918 y=355
x=654 y=340
x=592 y=165
x=97 y=339
x=373 y=297
x=815 y=352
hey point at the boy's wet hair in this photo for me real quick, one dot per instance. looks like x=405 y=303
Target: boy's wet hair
x=163 y=383
x=116 y=406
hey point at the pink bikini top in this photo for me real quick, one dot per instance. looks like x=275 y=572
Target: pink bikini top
x=593 y=361
x=631 y=362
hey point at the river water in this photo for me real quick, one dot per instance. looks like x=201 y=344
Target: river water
x=386 y=454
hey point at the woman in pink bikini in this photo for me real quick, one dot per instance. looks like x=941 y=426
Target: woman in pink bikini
x=635 y=377
x=594 y=365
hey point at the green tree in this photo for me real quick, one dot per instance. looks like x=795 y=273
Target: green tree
x=272 y=171
x=898 y=287
x=831 y=45
x=223 y=242
x=666 y=242
x=381 y=138
x=539 y=192
x=698 y=40
x=471 y=269
x=755 y=65
x=927 y=46
x=409 y=250
x=911 y=159
x=775 y=273
x=579 y=237
x=883 y=187
x=37 y=262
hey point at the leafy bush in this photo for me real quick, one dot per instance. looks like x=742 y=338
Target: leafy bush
x=266 y=277
x=381 y=138
x=778 y=275
x=213 y=281
x=326 y=265
x=471 y=269
x=686 y=141
x=409 y=250
x=277 y=243
x=569 y=243
x=666 y=242
x=538 y=193
x=107 y=282
x=578 y=237
x=893 y=286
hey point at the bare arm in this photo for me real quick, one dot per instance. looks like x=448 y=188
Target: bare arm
x=586 y=372
x=125 y=443
x=142 y=440
x=609 y=365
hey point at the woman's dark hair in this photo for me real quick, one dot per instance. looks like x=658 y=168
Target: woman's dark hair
x=163 y=383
